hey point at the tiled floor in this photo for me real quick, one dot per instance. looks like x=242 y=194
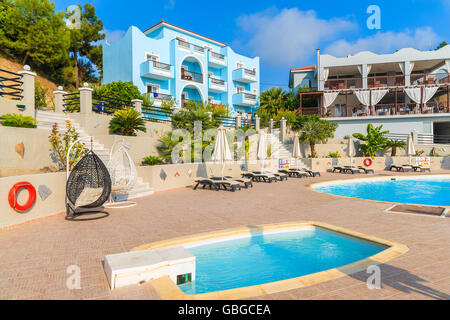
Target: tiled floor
x=34 y=257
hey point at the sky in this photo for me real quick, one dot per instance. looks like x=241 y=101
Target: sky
x=286 y=33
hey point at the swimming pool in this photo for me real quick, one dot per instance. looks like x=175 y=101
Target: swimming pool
x=259 y=258
x=427 y=190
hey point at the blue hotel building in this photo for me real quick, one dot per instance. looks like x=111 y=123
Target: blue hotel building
x=168 y=61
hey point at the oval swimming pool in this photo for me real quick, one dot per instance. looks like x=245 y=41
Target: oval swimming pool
x=426 y=190
x=261 y=258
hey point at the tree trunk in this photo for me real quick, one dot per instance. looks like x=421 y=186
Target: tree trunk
x=25 y=58
x=394 y=152
x=75 y=55
x=312 y=145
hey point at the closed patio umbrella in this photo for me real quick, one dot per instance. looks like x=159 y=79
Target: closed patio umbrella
x=410 y=149
x=351 y=149
x=262 y=147
x=296 y=149
x=222 y=150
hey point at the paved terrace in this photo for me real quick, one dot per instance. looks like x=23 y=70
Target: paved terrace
x=34 y=256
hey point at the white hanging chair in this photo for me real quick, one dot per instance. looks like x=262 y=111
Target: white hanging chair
x=123 y=175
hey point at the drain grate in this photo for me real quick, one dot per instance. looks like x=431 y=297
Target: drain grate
x=413 y=209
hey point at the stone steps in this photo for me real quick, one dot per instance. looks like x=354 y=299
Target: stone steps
x=46 y=120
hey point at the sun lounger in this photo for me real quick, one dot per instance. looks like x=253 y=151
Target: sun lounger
x=366 y=170
x=246 y=183
x=310 y=172
x=217 y=183
x=338 y=169
x=402 y=168
x=259 y=177
x=279 y=176
x=288 y=172
x=296 y=173
x=351 y=169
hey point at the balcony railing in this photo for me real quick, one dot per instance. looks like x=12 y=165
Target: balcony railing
x=217 y=56
x=185 y=101
x=430 y=78
x=385 y=81
x=71 y=102
x=198 y=48
x=390 y=109
x=248 y=72
x=161 y=65
x=248 y=96
x=183 y=44
x=343 y=83
x=191 y=76
x=217 y=82
x=159 y=96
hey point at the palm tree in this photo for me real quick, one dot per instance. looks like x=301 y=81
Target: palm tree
x=375 y=140
x=316 y=130
x=394 y=145
x=273 y=99
x=127 y=122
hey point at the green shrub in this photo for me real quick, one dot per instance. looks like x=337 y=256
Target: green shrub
x=39 y=96
x=334 y=155
x=119 y=90
x=18 y=120
x=127 y=122
x=151 y=161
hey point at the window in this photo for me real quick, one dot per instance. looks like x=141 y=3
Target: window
x=239 y=65
x=240 y=89
x=211 y=100
x=255 y=92
x=152 y=88
x=151 y=57
x=211 y=75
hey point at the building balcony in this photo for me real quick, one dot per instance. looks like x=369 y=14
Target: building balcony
x=244 y=75
x=216 y=85
x=158 y=98
x=343 y=83
x=191 y=76
x=156 y=70
x=190 y=101
x=385 y=81
x=245 y=99
x=216 y=60
x=186 y=46
x=430 y=78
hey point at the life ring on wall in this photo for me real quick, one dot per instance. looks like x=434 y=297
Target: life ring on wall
x=13 y=193
x=367 y=162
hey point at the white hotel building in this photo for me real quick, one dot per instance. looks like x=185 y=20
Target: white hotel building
x=405 y=91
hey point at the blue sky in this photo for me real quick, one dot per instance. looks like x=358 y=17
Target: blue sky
x=285 y=33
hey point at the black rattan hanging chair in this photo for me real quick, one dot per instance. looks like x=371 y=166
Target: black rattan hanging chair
x=88 y=187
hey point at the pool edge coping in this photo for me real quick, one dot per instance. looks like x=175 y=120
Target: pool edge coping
x=168 y=290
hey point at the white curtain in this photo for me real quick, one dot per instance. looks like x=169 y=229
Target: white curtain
x=414 y=94
x=402 y=67
x=447 y=65
x=363 y=97
x=360 y=69
x=326 y=72
x=377 y=95
x=428 y=93
x=328 y=98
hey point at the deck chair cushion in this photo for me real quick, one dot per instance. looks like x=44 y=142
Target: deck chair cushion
x=88 y=196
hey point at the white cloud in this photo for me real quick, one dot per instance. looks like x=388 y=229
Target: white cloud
x=386 y=42
x=113 y=35
x=287 y=37
x=170 y=4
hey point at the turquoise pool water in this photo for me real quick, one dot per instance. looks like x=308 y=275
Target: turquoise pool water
x=429 y=190
x=266 y=258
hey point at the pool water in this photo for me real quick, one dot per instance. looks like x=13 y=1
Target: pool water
x=262 y=258
x=427 y=190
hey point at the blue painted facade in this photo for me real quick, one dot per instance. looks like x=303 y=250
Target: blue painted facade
x=154 y=61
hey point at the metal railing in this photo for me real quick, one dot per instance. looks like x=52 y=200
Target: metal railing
x=156 y=114
x=217 y=56
x=227 y=121
x=385 y=81
x=249 y=96
x=343 y=83
x=71 y=102
x=10 y=85
x=397 y=136
x=184 y=101
x=216 y=81
x=191 y=76
x=159 y=96
x=248 y=122
x=161 y=65
x=108 y=105
x=430 y=78
x=198 y=48
x=433 y=139
x=248 y=72
x=183 y=43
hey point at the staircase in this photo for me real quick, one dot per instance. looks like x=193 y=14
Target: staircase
x=45 y=120
x=284 y=150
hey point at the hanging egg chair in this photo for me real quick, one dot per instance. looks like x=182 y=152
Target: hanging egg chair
x=88 y=186
x=123 y=175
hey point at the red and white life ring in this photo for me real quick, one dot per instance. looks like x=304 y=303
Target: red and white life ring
x=367 y=162
x=13 y=194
